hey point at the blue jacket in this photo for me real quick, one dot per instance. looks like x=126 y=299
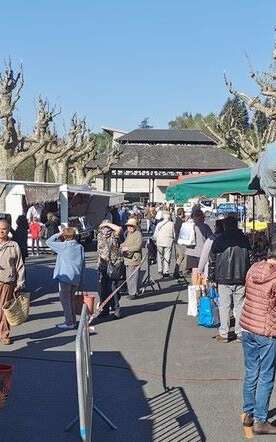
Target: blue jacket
x=70 y=263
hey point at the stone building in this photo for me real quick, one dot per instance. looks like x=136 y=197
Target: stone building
x=151 y=158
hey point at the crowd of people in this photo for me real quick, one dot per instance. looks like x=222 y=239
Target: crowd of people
x=246 y=281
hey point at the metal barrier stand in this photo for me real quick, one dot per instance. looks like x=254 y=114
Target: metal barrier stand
x=84 y=382
x=148 y=281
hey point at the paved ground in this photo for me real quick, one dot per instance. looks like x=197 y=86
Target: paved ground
x=154 y=345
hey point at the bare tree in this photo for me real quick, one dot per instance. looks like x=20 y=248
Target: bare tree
x=83 y=175
x=266 y=83
x=65 y=156
x=70 y=155
x=247 y=144
x=42 y=132
x=14 y=148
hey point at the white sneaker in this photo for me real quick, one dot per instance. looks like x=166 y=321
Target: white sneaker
x=66 y=326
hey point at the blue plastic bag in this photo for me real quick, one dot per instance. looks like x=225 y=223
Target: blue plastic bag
x=208 y=312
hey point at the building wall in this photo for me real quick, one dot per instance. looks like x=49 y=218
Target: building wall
x=135 y=185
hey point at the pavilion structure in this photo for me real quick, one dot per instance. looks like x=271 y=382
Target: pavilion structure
x=151 y=158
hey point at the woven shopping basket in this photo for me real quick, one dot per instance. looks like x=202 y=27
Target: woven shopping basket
x=17 y=310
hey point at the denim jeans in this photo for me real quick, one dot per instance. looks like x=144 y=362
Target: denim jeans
x=259 y=360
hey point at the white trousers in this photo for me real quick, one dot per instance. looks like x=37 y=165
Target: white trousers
x=163 y=259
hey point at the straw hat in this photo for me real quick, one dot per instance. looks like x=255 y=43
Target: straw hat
x=132 y=222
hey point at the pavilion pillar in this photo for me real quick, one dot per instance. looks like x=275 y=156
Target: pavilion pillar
x=152 y=193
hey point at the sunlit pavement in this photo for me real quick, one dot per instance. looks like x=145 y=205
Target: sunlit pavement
x=157 y=375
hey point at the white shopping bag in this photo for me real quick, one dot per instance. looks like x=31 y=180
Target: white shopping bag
x=192 y=300
x=187 y=234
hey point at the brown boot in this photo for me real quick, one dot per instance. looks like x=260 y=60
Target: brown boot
x=221 y=339
x=247 y=420
x=263 y=428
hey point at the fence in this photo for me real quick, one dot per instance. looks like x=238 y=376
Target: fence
x=84 y=369
x=85 y=382
x=84 y=377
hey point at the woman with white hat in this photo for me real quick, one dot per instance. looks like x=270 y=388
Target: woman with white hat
x=132 y=252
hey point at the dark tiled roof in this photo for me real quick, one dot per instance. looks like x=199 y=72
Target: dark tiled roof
x=174 y=157
x=166 y=136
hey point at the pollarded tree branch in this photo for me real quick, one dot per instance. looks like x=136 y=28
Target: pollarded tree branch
x=22 y=156
x=253 y=103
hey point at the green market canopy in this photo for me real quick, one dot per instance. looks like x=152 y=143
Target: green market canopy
x=213 y=185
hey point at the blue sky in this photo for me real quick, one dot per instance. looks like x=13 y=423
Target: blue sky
x=118 y=61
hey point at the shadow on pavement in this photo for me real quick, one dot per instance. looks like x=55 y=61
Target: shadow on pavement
x=43 y=399
x=131 y=310
x=42 y=282
x=174 y=419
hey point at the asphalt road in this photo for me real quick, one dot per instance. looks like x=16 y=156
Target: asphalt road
x=156 y=374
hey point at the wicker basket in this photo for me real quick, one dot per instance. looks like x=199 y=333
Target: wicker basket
x=17 y=310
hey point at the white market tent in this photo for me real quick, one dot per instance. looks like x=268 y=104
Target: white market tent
x=73 y=200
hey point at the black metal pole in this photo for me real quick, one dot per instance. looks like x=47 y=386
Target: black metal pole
x=272 y=220
x=253 y=214
x=244 y=214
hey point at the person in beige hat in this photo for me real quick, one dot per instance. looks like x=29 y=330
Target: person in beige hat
x=132 y=252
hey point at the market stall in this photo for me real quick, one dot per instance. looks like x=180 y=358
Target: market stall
x=213 y=185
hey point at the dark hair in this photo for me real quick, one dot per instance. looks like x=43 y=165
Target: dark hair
x=219 y=226
x=197 y=212
x=231 y=222
x=22 y=222
x=180 y=211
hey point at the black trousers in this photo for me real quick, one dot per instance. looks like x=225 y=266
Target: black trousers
x=105 y=287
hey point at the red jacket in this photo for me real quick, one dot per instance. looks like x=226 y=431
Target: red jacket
x=35 y=229
x=259 y=310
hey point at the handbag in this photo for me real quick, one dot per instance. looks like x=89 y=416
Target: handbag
x=17 y=310
x=208 y=312
x=187 y=234
x=115 y=271
x=87 y=298
x=192 y=300
x=43 y=232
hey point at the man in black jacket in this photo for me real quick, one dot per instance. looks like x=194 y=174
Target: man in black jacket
x=180 y=255
x=229 y=263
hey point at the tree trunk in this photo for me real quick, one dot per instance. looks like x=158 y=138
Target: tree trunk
x=40 y=171
x=261 y=207
x=53 y=165
x=6 y=173
x=79 y=175
x=62 y=170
